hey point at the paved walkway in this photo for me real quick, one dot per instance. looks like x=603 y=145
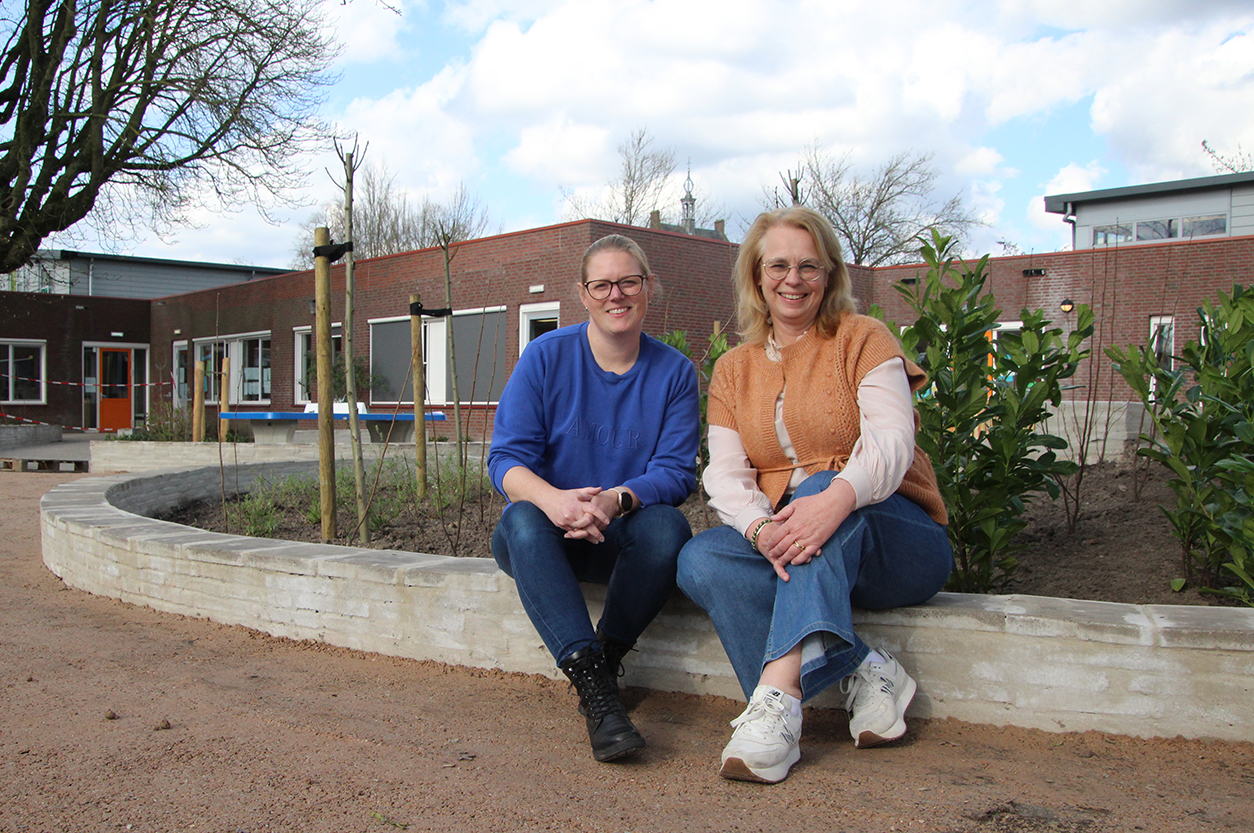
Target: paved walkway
x=73 y=453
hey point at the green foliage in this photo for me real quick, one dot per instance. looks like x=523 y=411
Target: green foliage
x=1203 y=415
x=166 y=423
x=981 y=416
x=391 y=489
x=362 y=378
x=705 y=369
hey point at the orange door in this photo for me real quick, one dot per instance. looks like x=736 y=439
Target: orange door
x=115 y=389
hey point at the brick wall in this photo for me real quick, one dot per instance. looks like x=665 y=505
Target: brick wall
x=695 y=274
x=1124 y=286
x=65 y=322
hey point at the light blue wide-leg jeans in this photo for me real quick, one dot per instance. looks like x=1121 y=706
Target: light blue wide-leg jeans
x=889 y=554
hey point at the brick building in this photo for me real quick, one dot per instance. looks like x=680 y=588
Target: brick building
x=509 y=288
x=506 y=290
x=1134 y=290
x=74 y=334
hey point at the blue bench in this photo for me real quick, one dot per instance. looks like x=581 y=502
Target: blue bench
x=279 y=427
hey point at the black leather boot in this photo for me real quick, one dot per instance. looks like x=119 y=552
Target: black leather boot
x=610 y=731
x=615 y=652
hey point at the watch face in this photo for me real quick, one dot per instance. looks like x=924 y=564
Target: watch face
x=625 y=501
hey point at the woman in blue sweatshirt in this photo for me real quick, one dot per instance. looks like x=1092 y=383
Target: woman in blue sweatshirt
x=595 y=444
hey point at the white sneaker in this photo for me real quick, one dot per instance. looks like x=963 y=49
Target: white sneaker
x=765 y=744
x=878 y=694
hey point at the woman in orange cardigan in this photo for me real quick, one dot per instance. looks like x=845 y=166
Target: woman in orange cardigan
x=826 y=500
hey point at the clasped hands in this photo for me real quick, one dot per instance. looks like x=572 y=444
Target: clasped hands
x=796 y=533
x=583 y=513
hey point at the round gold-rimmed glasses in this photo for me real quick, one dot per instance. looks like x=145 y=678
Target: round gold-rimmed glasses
x=777 y=270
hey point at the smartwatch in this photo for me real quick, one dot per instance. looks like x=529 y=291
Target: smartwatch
x=626 y=502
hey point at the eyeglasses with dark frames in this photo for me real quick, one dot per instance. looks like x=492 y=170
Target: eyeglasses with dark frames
x=629 y=285
x=777 y=270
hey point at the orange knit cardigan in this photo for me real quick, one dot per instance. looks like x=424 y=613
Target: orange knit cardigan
x=821 y=408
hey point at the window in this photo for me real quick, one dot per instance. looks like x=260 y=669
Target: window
x=307 y=357
x=1157 y=229
x=22 y=372
x=139 y=390
x=91 y=390
x=1169 y=228
x=1213 y=224
x=535 y=320
x=995 y=335
x=479 y=345
x=182 y=373
x=1162 y=340
x=212 y=354
x=390 y=352
x=255 y=370
x=249 y=368
x=1109 y=235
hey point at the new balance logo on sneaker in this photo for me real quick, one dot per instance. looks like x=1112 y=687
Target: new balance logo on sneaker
x=765 y=744
x=877 y=696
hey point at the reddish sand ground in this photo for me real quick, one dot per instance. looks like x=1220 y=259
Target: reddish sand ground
x=115 y=717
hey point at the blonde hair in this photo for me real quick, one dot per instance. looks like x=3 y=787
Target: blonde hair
x=752 y=314
x=614 y=242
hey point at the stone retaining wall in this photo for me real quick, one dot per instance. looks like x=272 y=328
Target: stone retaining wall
x=17 y=436
x=1053 y=664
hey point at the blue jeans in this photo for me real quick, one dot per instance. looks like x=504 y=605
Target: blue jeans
x=636 y=561
x=885 y=555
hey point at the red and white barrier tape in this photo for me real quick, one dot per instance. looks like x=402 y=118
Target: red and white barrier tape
x=93 y=384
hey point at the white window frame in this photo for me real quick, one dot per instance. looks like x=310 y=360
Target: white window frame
x=444 y=347
x=6 y=347
x=182 y=397
x=299 y=397
x=435 y=355
x=532 y=312
x=232 y=349
x=1202 y=217
x=426 y=358
x=239 y=369
x=1157 y=323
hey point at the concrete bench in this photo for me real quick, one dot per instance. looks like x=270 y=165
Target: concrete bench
x=1053 y=664
x=279 y=427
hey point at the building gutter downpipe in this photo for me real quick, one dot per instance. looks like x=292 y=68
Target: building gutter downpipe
x=1068 y=217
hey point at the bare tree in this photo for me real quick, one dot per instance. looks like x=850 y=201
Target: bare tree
x=1240 y=163
x=129 y=112
x=640 y=187
x=387 y=220
x=461 y=218
x=882 y=218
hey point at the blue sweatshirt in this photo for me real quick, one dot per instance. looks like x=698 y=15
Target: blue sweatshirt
x=573 y=424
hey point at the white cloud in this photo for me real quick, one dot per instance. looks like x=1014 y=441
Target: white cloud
x=369 y=31
x=1070 y=180
x=418 y=133
x=1157 y=112
x=558 y=149
x=982 y=161
x=541 y=92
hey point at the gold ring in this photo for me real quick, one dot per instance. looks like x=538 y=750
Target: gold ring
x=799 y=545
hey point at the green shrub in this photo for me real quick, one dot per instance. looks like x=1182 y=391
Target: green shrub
x=705 y=370
x=1203 y=415
x=981 y=416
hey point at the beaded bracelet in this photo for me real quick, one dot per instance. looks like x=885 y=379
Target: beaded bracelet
x=754 y=540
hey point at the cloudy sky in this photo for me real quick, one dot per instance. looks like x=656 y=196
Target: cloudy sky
x=523 y=100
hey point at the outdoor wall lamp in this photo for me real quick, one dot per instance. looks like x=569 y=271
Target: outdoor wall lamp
x=1067 y=305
